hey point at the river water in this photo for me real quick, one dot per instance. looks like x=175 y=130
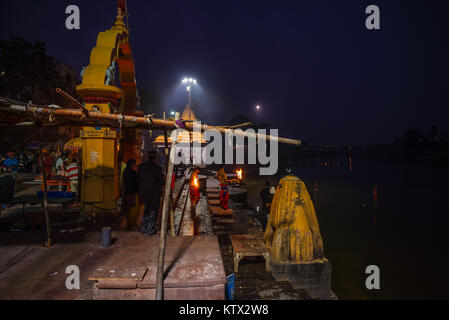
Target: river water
x=404 y=234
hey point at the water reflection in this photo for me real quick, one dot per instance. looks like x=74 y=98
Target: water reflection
x=401 y=230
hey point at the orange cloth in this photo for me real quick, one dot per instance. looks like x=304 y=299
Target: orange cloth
x=221 y=175
x=224 y=196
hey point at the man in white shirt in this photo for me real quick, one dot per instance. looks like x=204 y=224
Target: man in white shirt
x=72 y=175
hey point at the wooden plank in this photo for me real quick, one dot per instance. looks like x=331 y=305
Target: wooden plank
x=117 y=284
x=248 y=244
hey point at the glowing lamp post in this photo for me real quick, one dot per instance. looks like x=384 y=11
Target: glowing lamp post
x=189 y=82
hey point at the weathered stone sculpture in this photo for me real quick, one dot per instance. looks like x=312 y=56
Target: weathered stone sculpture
x=294 y=240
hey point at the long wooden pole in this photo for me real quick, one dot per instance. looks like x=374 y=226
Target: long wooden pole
x=172 y=209
x=72 y=100
x=139 y=122
x=163 y=237
x=47 y=216
x=44 y=179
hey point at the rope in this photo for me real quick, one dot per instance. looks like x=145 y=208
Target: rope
x=149 y=119
x=120 y=120
x=179 y=124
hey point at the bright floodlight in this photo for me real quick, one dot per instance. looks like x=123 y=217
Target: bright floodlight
x=257 y=107
x=172 y=113
x=194 y=81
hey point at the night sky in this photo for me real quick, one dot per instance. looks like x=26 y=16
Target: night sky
x=312 y=66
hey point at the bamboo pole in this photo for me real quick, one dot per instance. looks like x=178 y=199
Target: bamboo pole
x=172 y=211
x=72 y=100
x=163 y=236
x=44 y=179
x=140 y=122
x=245 y=124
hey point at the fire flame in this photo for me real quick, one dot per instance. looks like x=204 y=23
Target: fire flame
x=239 y=174
x=195 y=182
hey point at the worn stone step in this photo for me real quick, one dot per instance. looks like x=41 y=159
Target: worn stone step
x=214 y=202
x=220 y=212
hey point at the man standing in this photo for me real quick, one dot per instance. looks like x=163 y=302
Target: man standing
x=60 y=170
x=130 y=197
x=48 y=163
x=151 y=181
x=224 y=192
x=266 y=194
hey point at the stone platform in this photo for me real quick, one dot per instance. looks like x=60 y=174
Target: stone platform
x=314 y=277
x=193 y=269
x=249 y=245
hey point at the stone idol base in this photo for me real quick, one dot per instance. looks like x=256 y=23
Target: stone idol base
x=314 y=277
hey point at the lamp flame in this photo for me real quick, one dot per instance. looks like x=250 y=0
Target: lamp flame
x=195 y=182
x=239 y=174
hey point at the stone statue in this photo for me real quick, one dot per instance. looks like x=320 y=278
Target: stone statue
x=82 y=73
x=110 y=75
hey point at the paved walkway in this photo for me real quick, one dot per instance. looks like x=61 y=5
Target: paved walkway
x=252 y=281
x=30 y=271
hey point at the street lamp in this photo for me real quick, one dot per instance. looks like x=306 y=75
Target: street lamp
x=189 y=82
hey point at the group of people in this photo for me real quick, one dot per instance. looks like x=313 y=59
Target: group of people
x=61 y=166
x=141 y=192
x=14 y=162
x=56 y=165
x=266 y=195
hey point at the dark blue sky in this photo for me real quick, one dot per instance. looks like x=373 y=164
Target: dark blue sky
x=315 y=69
